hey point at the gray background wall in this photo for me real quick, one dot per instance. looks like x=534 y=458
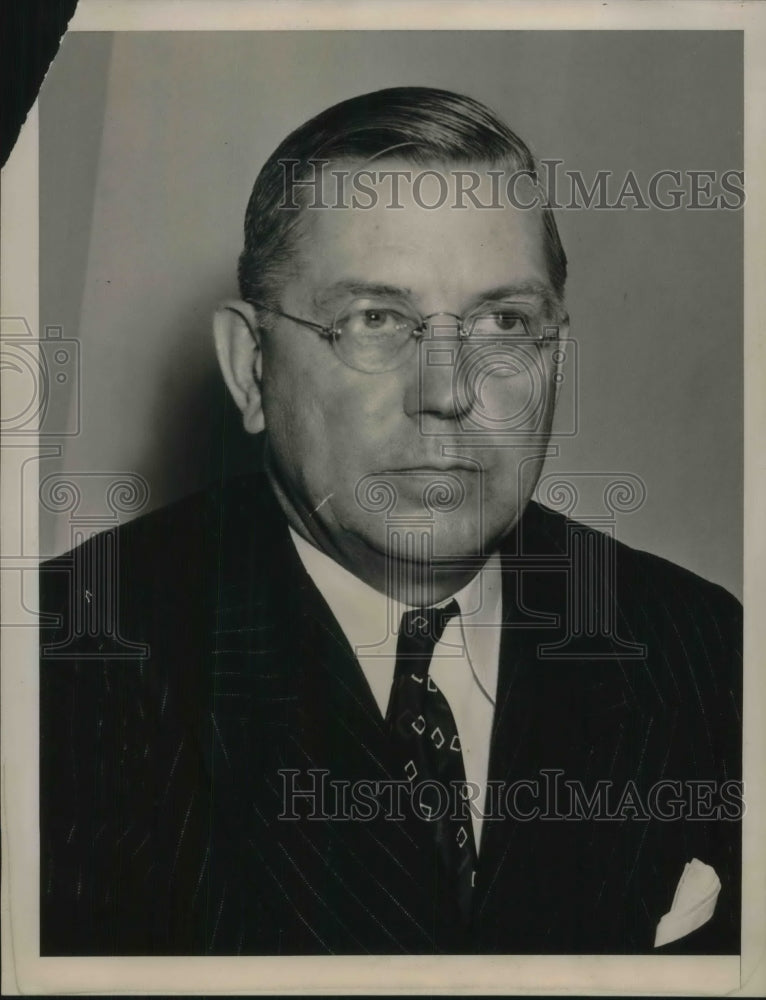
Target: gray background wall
x=149 y=144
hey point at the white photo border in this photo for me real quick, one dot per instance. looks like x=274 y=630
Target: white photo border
x=23 y=970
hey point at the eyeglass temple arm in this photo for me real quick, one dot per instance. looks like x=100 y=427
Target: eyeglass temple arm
x=325 y=330
x=245 y=319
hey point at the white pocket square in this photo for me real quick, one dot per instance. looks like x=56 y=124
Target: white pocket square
x=693 y=903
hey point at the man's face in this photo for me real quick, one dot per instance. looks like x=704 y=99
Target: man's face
x=447 y=450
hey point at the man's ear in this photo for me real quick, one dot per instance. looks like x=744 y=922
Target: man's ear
x=238 y=346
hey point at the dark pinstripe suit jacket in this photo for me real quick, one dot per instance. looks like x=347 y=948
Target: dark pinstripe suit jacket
x=160 y=783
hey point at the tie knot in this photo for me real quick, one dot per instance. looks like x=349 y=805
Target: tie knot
x=428 y=624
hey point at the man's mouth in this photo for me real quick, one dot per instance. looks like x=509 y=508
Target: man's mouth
x=432 y=467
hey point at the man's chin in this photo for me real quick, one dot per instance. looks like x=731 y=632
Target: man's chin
x=423 y=542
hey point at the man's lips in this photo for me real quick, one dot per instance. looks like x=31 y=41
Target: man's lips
x=433 y=467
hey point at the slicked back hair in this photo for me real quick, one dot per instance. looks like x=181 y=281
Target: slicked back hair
x=419 y=125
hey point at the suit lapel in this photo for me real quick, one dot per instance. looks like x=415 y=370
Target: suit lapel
x=291 y=713
x=554 y=720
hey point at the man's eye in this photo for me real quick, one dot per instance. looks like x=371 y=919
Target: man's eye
x=365 y=322
x=500 y=323
x=508 y=322
x=376 y=319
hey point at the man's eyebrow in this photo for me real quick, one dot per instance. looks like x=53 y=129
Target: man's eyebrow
x=373 y=289
x=531 y=289
x=363 y=289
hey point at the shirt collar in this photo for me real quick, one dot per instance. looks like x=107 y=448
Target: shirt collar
x=370 y=620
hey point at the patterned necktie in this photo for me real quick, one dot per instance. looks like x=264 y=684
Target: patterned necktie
x=425 y=736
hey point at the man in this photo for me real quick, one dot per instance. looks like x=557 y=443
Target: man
x=372 y=698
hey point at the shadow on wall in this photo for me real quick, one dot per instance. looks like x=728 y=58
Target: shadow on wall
x=200 y=440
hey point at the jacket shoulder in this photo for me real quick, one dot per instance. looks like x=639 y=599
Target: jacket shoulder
x=673 y=631
x=644 y=576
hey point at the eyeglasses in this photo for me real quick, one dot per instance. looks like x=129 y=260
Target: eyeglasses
x=377 y=338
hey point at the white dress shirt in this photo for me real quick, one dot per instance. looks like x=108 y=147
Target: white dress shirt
x=464 y=663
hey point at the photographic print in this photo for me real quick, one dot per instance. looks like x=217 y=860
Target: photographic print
x=380 y=501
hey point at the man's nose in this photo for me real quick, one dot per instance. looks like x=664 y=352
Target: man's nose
x=435 y=388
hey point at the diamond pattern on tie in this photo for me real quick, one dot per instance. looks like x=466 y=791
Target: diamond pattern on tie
x=438 y=738
x=425 y=736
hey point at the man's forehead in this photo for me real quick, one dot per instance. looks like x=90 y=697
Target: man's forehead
x=408 y=225
x=396 y=183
